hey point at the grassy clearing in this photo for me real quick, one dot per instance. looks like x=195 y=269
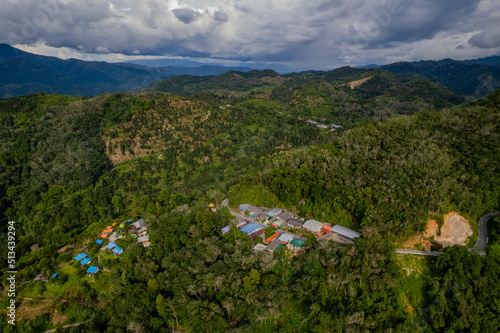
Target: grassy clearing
x=415 y=271
x=256 y=195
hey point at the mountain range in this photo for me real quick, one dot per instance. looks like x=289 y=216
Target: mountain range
x=23 y=73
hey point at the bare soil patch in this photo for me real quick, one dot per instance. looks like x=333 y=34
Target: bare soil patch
x=24 y=311
x=63 y=249
x=58 y=318
x=455 y=231
x=357 y=83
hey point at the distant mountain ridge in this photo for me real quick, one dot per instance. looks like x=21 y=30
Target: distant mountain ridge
x=23 y=73
x=477 y=77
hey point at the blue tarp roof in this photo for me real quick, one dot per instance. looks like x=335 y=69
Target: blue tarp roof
x=80 y=256
x=85 y=261
x=55 y=275
x=250 y=228
x=111 y=245
x=117 y=250
x=99 y=241
x=92 y=269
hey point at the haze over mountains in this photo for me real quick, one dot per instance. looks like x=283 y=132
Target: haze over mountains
x=23 y=73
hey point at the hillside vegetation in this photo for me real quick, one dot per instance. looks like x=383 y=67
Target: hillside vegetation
x=71 y=166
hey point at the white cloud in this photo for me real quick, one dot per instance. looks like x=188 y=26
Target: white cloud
x=320 y=34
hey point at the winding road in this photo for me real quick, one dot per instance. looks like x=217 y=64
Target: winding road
x=482 y=236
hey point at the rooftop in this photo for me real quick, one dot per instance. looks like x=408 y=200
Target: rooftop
x=285 y=238
x=93 y=269
x=251 y=228
x=80 y=256
x=85 y=261
x=346 y=232
x=313 y=225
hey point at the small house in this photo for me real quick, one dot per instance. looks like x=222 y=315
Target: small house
x=313 y=226
x=273 y=245
x=285 y=216
x=274 y=212
x=80 y=256
x=294 y=223
x=285 y=238
x=85 y=261
x=272 y=237
x=225 y=230
x=111 y=245
x=92 y=270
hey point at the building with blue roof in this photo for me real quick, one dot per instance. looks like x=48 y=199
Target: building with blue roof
x=117 y=250
x=92 y=270
x=274 y=212
x=55 y=275
x=80 y=256
x=99 y=241
x=85 y=261
x=111 y=245
x=251 y=228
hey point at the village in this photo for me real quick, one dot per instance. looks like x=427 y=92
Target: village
x=289 y=231
x=268 y=229
x=314 y=122
x=108 y=244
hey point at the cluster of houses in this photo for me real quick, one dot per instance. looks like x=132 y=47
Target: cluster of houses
x=140 y=231
x=84 y=259
x=313 y=122
x=282 y=219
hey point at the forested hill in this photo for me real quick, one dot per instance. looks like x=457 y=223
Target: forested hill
x=477 y=78
x=70 y=166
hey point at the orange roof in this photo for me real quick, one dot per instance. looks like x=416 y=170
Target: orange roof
x=319 y=233
x=114 y=224
x=271 y=238
x=104 y=236
x=326 y=227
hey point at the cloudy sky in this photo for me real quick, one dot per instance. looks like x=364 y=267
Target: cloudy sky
x=301 y=33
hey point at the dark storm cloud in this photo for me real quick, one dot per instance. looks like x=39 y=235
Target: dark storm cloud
x=220 y=16
x=321 y=33
x=186 y=15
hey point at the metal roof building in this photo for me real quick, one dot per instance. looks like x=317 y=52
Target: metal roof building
x=274 y=212
x=285 y=216
x=285 y=238
x=251 y=228
x=313 y=225
x=85 y=261
x=111 y=245
x=273 y=245
x=93 y=269
x=346 y=232
x=296 y=223
x=80 y=256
